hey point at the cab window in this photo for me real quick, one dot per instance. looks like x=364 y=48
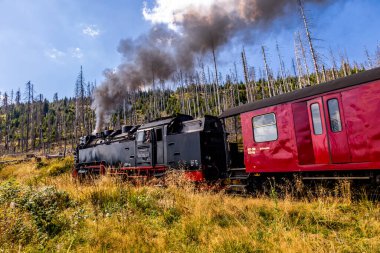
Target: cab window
x=159 y=134
x=144 y=136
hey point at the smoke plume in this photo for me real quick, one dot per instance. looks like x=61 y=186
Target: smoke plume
x=181 y=31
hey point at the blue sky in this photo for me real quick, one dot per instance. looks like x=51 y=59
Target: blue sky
x=46 y=41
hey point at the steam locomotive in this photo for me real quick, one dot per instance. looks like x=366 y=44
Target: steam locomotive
x=195 y=146
x=322 y=132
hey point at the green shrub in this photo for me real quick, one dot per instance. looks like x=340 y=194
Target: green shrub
x=45 y=205
x=192 y=232
x=108 y=202
x=60 y=166
x=15 y=228
x=144 y=203
x=41 y=164
x=55 y=167
x=9 y=191
x=171 y=215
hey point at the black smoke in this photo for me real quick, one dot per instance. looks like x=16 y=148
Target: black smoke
x=162 y=51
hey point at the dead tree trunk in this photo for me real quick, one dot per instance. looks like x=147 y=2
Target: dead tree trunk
x=216 y=82
x=304 y=57
x=369 y=59
x=285 y=84
x=308 y=35
x=267 y=73
x=335 y=75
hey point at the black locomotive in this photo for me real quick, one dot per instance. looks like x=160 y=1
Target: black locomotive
x=195 y=146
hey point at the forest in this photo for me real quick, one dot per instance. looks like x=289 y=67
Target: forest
x=29 y=122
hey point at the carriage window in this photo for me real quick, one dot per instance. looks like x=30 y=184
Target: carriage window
x=265 y=128
x=335 y=121
x=316 y=116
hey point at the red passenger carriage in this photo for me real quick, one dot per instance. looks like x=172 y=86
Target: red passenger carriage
x=330 y=130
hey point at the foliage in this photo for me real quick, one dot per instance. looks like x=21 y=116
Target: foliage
x=57 y=214
x=44 y=206
x=57 y=167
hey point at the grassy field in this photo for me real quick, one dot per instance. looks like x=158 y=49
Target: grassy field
x=43 y=209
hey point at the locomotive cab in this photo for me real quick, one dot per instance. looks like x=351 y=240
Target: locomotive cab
x=151 y=141
x=198 y=147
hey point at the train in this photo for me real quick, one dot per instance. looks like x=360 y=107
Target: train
x=323 y=132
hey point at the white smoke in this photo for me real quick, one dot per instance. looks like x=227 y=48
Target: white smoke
x=171 y=11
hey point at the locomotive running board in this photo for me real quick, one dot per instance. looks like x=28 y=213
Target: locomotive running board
x=236 y=169
x=336 y=178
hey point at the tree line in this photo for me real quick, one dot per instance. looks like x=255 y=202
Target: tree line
x=29 y=122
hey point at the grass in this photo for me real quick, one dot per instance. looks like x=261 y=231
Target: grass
x=43 y=210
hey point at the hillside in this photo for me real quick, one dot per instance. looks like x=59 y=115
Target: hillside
x=43 y=209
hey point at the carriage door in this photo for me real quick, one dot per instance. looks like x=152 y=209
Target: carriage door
x=318 y=131
x=158 y=146
x=336 y=129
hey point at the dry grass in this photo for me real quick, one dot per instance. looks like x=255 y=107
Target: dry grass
x=107 y=215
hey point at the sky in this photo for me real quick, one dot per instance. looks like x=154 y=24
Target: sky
x=46 y=41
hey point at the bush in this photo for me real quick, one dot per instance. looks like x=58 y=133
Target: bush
x=60 y=166
x=108 y=202
x=9 y=191
x=144 y=203
x=15 y=228
x=171 y=215
x=55 y=167
x=44 y=206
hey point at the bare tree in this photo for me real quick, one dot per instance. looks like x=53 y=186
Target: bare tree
x=309 y=38
x=79 y=104
x=282 y=70
x=236 y=81
x=246 y=77
x=268 y=73
x=7 y=121
x=301 y=55
x=216 y=82
x=369 y=59
x=29 y=101
x=335 y=75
